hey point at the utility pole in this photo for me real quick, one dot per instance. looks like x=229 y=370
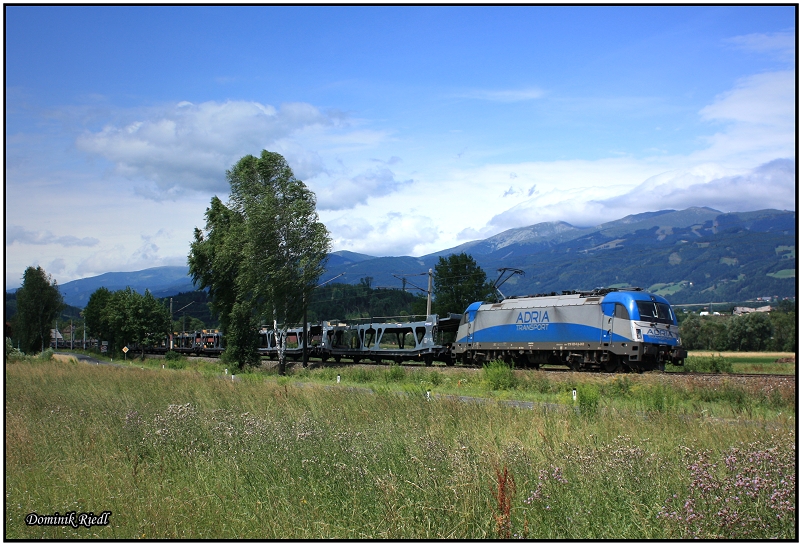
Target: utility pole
x=305 y=331
x=430 y=283
x=429 y=290
x=170 y=324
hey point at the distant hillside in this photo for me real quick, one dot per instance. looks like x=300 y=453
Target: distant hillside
x=692 y=255
x=162 y=281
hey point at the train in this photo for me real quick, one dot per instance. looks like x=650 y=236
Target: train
x=603 y=330
x=608 y=330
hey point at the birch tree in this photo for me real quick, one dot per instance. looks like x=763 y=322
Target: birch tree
x=261 y=255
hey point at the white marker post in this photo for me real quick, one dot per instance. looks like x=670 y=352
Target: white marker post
x=574 y=395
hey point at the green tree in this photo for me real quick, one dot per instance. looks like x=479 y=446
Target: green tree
x=749 y=332
x=188 y=323
x=261 y=255
x=784 y=327
x=146 y=320
x=38 y=304
x=458 y=281
x=125 y=317
x=714 y=333
x=94 y=316
x=691 y=332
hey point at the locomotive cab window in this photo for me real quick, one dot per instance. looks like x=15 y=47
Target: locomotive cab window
x=655 y=312
x=621 y=311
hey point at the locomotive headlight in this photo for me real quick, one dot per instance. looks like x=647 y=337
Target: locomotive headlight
x=638 y=334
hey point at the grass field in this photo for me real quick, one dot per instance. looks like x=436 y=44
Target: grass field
x=747 y=362
x=187 y=454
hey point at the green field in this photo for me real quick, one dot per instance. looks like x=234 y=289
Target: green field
x=187 y=454
x=786 y=273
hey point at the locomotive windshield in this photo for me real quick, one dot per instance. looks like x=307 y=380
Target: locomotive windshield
x=655 y=312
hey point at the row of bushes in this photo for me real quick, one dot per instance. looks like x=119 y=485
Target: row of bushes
x=776 y=331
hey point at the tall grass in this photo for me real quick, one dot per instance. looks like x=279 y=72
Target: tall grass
x=177 y=454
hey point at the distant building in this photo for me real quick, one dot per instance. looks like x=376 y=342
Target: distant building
x=55 y=337
x=739 y=310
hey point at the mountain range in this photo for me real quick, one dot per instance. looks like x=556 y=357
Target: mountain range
x=692 y=255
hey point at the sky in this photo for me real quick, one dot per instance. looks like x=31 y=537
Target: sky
x=418 y=128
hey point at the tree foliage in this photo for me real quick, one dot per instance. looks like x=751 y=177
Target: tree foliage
x=262 y=254
x=458 y=281
x=38 y=305
x=755 y=331
x=94 y=316
x=126 y=318
x=340 y=301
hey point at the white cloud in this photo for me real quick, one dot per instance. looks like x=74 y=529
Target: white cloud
x=769 y=185
x=509 y=95
x=759 y=118
x=190 y=146
x=56 y=266
x=394 y=233
x=20 y=235
x=120 y=259
x=346 y=193
x=779 y=44
x=762 y=99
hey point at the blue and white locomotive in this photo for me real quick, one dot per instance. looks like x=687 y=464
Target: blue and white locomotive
x=610 y=330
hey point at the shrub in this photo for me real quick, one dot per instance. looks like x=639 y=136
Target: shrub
x=499 y=375
x=176 y=364
x=711 y=364
x=395 y=374
x=588 y=400
x=12 y=353
x=172 y=356
x=46 y=355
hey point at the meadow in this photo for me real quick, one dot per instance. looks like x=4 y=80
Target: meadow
x=357 y=452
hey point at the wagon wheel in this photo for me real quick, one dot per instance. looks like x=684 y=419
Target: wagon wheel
x=612 y=365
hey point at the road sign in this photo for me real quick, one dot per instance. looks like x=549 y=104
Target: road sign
x=125 y=349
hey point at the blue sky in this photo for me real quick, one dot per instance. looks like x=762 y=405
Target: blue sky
x=419 y=128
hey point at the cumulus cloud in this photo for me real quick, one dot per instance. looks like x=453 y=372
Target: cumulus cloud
x=345 y=193
x=20 y=235
x=395 y=234
x=56 y=266
x=190 y=146
x=769 y=185
x=748 y=164
x=759 y=119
